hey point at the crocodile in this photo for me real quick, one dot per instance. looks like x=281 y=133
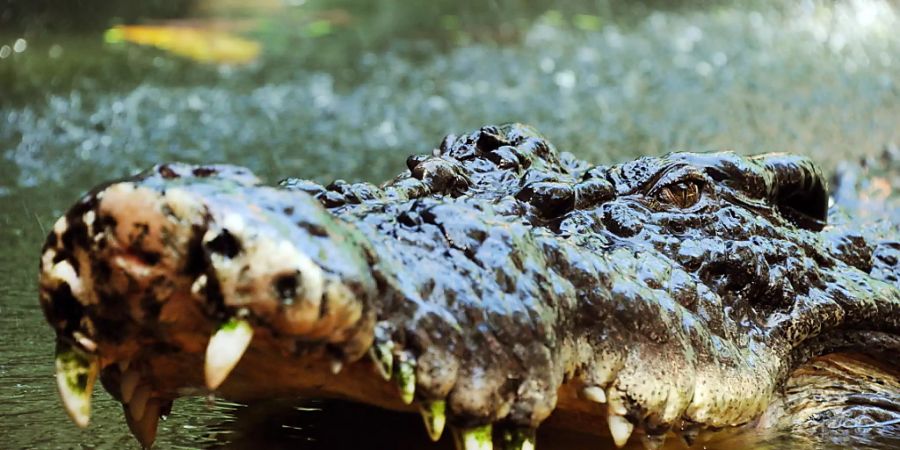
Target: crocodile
x=494 y=285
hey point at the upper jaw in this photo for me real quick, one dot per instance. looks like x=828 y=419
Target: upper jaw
x=172 y=247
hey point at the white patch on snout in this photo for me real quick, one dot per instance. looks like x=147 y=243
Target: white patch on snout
x=234 y=223
x=61 y=226
x=198 y=285
x=88 y=218
x=310 y=273
x=64 y=272
x=182 y=204
x=47 y=259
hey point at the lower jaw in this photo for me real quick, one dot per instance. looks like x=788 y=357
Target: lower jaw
x=268 y=370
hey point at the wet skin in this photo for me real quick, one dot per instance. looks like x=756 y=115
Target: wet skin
x=494 y=282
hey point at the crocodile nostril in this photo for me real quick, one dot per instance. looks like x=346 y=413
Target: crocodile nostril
x=224 y=244
x=286 y=286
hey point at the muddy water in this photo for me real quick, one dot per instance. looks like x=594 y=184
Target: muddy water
x=340 y=88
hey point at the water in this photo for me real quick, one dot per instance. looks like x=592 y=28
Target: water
x=345 y=89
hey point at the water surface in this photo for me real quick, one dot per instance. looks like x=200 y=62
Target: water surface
x=346 y=89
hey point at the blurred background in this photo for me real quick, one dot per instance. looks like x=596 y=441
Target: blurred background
x=324 y=89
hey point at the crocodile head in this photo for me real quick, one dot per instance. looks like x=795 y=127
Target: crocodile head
x=495 y=282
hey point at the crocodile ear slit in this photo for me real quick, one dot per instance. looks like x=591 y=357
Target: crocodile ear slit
x=798 y=189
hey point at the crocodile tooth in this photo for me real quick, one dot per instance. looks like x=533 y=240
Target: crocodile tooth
x=405 y=375
x=620 y=428
x=144 y=428
x=226 y=347
x=76 y=373
x=478 y=438
x=595 y=394
x=383 y=357
x=435 y=417
x=518 y=439
x=84 y=341
x=653 y=441
x=129 y=382
x=138 y=402
x=336 y=366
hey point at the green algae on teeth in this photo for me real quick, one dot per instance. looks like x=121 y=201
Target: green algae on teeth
x=478 y=438
x=435 y=417
x=383 y=357
x=76 y=372
x=226 y=347
x=405 y=375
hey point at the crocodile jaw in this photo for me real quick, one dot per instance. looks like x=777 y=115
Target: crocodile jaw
x=155 y=275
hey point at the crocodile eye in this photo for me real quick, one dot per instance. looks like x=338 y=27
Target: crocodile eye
x=682 y=194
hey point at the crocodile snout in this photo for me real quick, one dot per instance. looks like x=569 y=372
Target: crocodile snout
x=174 y=260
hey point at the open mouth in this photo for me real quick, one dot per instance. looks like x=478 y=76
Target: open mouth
x=663 y=296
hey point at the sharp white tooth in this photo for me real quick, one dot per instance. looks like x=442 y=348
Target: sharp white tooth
x=595 y=394
x=479 y=438
x=127 y=385
x=76 y=373
x=435 y=417
x=139 y=402
x=84 y=341
x=336 y=366
x=226 y=347
x=144 y=428
x=620 y=428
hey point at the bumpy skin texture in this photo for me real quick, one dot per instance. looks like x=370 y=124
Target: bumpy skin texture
x=687 y=287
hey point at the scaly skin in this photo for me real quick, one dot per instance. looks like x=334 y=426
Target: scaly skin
x=495 y=282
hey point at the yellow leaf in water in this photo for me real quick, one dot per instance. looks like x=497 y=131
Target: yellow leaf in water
x=194 y=42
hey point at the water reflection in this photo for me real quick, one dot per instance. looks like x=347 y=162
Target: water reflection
x=321 y=425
